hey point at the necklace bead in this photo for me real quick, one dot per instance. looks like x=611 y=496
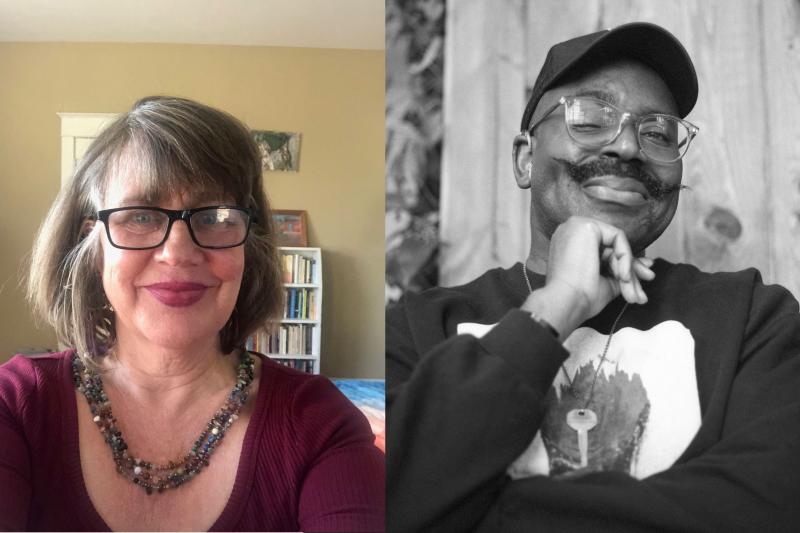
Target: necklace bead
x=159 y=477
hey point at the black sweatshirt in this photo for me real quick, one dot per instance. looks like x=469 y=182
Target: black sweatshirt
x=463 y=409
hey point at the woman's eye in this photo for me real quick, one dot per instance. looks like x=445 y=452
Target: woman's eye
x=137 y=218
x=208 y=219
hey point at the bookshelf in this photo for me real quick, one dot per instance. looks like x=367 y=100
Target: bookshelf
x=295 y=342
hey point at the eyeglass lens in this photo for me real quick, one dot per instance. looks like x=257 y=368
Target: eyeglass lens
x=146 y=228
x=595 y=123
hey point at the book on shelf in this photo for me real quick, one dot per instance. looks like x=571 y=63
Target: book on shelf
x=300 y=304
x=295 y=340
x=288 y=339
x=298 y=268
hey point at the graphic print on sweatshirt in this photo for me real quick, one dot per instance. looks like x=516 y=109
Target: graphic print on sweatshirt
x=645 y=398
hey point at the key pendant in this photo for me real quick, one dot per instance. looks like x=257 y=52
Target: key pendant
x=582 y=420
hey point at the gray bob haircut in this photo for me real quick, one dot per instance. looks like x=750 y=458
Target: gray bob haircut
x=179 y=147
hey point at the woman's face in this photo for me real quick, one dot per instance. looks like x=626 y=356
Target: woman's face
x=177 y=295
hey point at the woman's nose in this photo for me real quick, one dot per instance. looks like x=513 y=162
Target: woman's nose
x=179 y=247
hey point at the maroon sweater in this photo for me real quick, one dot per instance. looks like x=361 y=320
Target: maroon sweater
x=308 y=460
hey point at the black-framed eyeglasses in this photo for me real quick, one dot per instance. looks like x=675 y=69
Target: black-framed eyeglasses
x=593 y=123
x=145 y=227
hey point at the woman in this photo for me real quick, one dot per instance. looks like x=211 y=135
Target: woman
x=155 y=263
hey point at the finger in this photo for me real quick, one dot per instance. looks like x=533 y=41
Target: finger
x=641 y=297
x=627 y=288
x=641 y=271
x=623 y=255
x=632 y=289
x=622 y=263
x=615 y=238
x=646 y=261
x=628 y=291
x=613 y=267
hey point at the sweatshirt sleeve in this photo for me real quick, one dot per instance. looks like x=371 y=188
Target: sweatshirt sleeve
x=344 y=486
x=458 y=415
x=15 y=474
x=748 y=480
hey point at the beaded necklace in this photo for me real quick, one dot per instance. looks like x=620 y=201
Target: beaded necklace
x=148 y=475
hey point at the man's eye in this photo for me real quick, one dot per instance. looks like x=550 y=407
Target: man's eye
x=658 y=137
x=587 y=126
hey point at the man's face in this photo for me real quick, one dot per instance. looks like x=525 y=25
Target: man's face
x=605 y=183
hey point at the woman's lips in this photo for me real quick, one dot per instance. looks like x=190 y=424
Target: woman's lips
x=177 y=294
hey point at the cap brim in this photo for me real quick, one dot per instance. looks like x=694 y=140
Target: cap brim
x=642 y=41
x=652 y=45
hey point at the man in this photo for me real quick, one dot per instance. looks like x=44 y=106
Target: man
x=594 y=389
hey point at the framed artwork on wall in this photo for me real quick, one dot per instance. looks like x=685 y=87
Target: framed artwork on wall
x=280 y=150
x=291 y=227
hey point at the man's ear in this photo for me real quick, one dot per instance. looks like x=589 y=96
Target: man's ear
x=522 y=154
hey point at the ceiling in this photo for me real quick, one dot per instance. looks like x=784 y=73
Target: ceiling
x=298 y=23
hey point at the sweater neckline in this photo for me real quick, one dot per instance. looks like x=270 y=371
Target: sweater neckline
x=514 y=280
x=72 y=459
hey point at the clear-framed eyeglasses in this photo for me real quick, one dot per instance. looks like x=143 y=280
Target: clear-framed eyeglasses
x=593 y=123
x=145 y=227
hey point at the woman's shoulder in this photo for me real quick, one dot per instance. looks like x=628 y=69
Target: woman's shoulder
x=315 y=410
x=25 y=373
x=294 y=387
x=31 y=386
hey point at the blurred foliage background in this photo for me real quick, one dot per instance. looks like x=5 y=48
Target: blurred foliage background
x=414 y=79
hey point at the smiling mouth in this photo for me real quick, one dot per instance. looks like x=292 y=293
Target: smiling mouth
x=627 y=192
x=175 y=294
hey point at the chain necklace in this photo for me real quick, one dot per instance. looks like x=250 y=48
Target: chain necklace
x=583 y=419
x=148 y=475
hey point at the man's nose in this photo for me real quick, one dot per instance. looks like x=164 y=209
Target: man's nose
x=626 y=145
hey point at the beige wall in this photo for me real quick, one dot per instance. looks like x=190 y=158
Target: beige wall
x=333 y=97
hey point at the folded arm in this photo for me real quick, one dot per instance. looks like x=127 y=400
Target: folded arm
x=459 y=416
x=462 y=412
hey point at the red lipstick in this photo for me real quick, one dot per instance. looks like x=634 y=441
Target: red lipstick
x=177 y=294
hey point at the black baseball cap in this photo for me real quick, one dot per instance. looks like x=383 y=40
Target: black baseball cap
x=652 y=45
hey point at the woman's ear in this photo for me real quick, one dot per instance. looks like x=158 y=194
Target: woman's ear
x=522 y=154
x=87 y=227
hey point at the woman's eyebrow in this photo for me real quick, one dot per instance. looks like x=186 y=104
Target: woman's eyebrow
x=192 y=201
x=136 y=200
